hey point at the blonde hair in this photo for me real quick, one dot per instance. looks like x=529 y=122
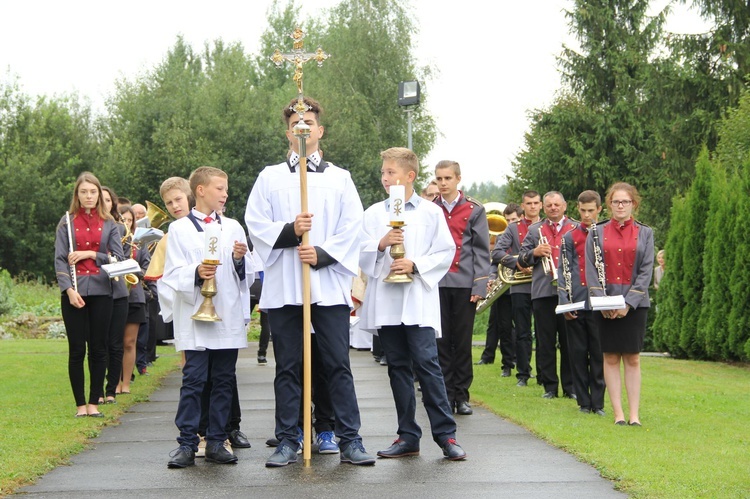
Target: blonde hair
x=202 y=176
x=403 y=157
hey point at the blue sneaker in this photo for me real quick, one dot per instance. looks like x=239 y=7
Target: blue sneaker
x=327 y=443
x=300 y=440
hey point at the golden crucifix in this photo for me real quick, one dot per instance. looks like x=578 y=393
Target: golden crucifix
x=299 y=57
x=302 y=131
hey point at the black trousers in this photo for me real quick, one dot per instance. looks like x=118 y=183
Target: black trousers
x=115 y=346
x=200 y=367
x=87 y=327
x=235 y=413
x=454 y=348
x=413 y=347
x=331 y=325
x=521 y=305
x=550 y=329
x=500 y=330
x=586 y=360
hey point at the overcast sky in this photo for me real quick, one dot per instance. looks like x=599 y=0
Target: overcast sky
x=495 y=60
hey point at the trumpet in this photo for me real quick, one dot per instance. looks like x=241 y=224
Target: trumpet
x=130 y=279
x=548 y=263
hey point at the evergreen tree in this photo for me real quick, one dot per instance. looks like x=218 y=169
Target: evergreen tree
x=716 y=301
x=739 y=317
x=694 y=241
x=671 y=297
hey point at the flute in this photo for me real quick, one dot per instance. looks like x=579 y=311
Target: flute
x=70 y=245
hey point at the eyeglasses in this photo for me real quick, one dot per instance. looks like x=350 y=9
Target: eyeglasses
x=623 y=202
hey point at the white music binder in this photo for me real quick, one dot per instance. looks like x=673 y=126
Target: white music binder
x=570 y=307
x=117 y=269
x=616 y=302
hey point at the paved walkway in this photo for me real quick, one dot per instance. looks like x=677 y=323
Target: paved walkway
x=130 y=460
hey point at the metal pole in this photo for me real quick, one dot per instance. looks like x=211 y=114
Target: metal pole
x=408 y=130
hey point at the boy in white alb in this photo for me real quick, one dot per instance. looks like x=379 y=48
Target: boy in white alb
x=406 y=316
x=334 y=221
x=205 y=341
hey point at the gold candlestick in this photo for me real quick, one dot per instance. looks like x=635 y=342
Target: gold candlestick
x=207 y=312
x=397 y=251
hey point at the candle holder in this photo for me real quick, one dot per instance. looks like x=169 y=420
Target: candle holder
x=207 y=312
x=397 y=251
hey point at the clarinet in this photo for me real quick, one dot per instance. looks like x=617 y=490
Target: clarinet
x=70 y=246
x=599 y=261
x=566 y=271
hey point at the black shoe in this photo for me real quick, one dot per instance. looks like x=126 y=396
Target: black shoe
x=585 y=410
x=355 y=453
x=217 y=453
x=522 y=382
x=272 y=442
x=452 y=451
x=399 y=448
x=464 y=409
x=599 y=412
x=282 y=456
x=239 y=439
x=505 y=373
x=549 y=395
x=182 y=457
x=620 y=422
x=383 y=361
x=262 y=361
x=483 y=362
x=570 y=396
x=634 y=423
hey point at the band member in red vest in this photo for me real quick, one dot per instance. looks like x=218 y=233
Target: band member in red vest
x=584 y=344
x=506 y=251
x=463 y=285
x=541 y=250
x=625 y=262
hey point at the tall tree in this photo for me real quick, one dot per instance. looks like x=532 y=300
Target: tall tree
x=44 y=144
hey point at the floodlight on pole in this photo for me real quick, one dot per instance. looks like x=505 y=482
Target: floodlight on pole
x=408 y=96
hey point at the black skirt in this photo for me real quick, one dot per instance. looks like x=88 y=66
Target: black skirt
x=137 y=313
x=623 y=335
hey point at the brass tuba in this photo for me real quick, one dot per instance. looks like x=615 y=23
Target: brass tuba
x=130 y=279
x=156 y=216
x=497 y=224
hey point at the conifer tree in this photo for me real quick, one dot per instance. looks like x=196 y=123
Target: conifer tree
x=694 y=239
x=671 y=299
x=716 y=301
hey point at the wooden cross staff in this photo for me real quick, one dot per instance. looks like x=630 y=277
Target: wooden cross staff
x=302 y=131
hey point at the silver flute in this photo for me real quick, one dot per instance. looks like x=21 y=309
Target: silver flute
x=70 y=246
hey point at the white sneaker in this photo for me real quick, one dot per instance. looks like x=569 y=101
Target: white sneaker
x=201 y=448
x=227 y=446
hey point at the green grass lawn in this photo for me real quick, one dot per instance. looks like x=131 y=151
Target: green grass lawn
x=694 y=441
x=39 y=431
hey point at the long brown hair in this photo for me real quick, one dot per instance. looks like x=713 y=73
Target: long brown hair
x=115 y=214
x=75 y=203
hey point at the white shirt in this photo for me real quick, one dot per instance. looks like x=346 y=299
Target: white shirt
x=232 y=301
x=336 y=226
x=428 y=244
x=313 y=160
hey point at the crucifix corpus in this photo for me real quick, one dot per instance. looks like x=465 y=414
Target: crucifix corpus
x=299 y=57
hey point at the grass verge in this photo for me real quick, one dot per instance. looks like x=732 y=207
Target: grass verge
x=37 y=408
x=694 y=441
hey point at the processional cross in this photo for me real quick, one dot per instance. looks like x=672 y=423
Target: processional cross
x=301 y=130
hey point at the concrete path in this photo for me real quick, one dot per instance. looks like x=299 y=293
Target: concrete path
x=130 y=460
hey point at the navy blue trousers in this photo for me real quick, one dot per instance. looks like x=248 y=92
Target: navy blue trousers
x=331 y=326
x=414 y=346
x=220 y=366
